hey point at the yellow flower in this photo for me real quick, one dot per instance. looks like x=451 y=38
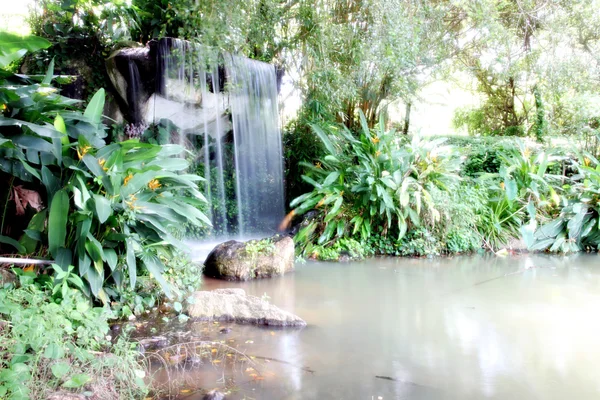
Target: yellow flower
x=82 y=151
x=154 y=184
x=318 y=165
x=131 y=203
x=587 y=161
x=502 y=185
x=377 y=153
x=375 y=140
x=127 y=179
x=342 y=193
x=102 y=161
x=527 y=152
x=321 y=202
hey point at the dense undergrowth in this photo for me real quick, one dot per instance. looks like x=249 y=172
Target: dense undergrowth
x=106 y=214
x=379 y=193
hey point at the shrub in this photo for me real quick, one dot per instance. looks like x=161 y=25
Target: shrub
x=47 y=344
x=372 y=182
x=111 y=208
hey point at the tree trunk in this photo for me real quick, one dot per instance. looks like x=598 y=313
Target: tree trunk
x=407 y=118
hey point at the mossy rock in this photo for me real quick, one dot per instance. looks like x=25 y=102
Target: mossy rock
x=241 y=261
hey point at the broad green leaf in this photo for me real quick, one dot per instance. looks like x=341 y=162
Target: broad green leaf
x=103 y=208
x=364 y=124
x=57 y=221
x=36 y=224
x=60 y=369
x=324 y=138
x=111 y=258
x=7 y=58
x=7 y=240
x=77 y=381
x=64 y=257
x=54 y=351
x=156 y=268
x=10 y=42
x=170 y=164
x=46 y=130
x=50 y=181
x=336 y=207
x=95 y=168
x=511 y=189
x=331 y=178
x=96 y=280
x=550 y=229
x=94 y=249
x=95 y=107
x=49 y=75
x=331 y=159
x=177 y=306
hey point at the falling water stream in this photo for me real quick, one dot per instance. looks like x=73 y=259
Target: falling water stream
x=235 y=99
x=258 y=154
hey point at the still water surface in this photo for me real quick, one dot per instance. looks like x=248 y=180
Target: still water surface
x=480 y=327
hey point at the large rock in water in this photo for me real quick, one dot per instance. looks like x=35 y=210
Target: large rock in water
x=241 y=261
x=236 y=305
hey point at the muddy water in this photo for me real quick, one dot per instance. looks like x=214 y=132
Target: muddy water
x=522 y=327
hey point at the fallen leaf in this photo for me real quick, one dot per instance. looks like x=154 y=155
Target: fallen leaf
x=29 y=268
x=253 y=375
x=249 y=369
x=259 y=378
x=229 y=355
x=272 y=333
x=22 y=197
x=250 y=341
x=185 y=391
x=213 y=350
x=216 y=361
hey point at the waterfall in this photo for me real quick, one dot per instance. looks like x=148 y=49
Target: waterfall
x=225 y=114
x=258 y=151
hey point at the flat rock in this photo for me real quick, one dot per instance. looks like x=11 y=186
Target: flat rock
x=236 y=305
x=242 y=261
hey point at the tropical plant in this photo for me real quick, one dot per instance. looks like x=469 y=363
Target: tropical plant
x=373 y=183
x=574 y=227
x=521 y=186
x=110 y=207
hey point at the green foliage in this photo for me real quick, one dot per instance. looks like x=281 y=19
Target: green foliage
x=182 y=275
x=256 y=248
x=48 y=344
x=81 y=33
x=343 y=248
x=111 y=207
x=373 y=181
x=300 y=144
x=575 y=226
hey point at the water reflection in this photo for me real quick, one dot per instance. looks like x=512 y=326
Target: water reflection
x=462 y=328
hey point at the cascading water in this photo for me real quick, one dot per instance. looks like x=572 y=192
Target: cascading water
x=233 y=132
x=258 y=153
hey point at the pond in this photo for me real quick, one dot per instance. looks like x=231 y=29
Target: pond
x=476 y=327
